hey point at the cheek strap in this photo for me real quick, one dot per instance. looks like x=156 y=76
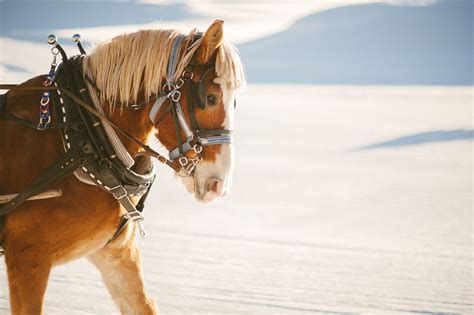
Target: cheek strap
x=156 y=108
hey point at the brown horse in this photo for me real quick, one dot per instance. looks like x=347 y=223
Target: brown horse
x=129 y=69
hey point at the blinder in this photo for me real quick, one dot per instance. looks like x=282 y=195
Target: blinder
x=201 y=96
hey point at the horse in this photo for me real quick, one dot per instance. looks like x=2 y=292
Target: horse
x=84 y=220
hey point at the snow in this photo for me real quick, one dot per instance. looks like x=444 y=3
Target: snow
x=334 y=208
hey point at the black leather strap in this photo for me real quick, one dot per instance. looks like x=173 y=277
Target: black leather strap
x=24 y=122
x=64 y=166
x=30 y=124
x=125 y=220
x=3 y=101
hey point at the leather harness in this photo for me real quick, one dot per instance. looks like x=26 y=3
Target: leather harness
x=88 y=148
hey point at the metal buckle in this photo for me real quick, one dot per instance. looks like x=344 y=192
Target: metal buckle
x=183 y=161
x=175 y=95
x=134 y=215
x=179 y=84
x=188 y=165
x=137 y=218
x=43 y=124
x=119 y=192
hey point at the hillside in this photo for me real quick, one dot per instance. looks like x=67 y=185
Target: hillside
x=369 y=44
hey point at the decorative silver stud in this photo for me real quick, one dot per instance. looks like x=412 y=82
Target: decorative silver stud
x=52 y=39
x=76 y=38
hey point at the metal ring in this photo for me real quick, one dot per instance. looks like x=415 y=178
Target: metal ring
x=42 y=122
x=197 y=148
x=47 y=82
x=45 y=109
x=54 y=50
x=191 y=74
x=183 y=173
x=44 y=101
x=183 y=161
x=166 y=87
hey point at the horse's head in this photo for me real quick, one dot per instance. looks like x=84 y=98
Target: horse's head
x=196 y=122
x=193 y=114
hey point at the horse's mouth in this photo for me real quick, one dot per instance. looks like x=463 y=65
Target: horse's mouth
x=204 y=193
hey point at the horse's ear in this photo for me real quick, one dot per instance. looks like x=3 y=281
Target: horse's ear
x=210 y=42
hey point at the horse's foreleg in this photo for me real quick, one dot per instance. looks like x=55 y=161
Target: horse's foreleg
x=27 y=279
x=120 y=265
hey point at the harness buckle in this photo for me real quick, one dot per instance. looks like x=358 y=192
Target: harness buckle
x=118 y=192
x=179 y=84
x=137 y=218
x=43 y=124
x=175 y=95
x=183 y=161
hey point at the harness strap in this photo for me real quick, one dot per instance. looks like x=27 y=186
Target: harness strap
x=156 y=107
x=148 y=151
x=175 y=153
x=182 y=121
x=125 y=219
x=21 y=121
x=30 y=124
x=3 y=100
x=187 y=146
x=65 y=165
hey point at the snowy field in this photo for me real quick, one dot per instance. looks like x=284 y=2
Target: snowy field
x=345 y=200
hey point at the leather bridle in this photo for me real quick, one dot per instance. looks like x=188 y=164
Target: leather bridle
x=195 y=136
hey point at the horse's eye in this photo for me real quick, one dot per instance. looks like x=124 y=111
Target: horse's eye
x=211 y=99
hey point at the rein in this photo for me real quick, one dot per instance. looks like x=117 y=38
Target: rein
x=148 y=151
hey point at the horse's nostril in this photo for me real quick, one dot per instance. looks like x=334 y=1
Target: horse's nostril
x=215 y=185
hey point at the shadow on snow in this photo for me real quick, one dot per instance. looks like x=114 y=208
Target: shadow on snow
x=424 y=137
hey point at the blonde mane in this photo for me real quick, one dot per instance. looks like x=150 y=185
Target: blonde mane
x=133 y=65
